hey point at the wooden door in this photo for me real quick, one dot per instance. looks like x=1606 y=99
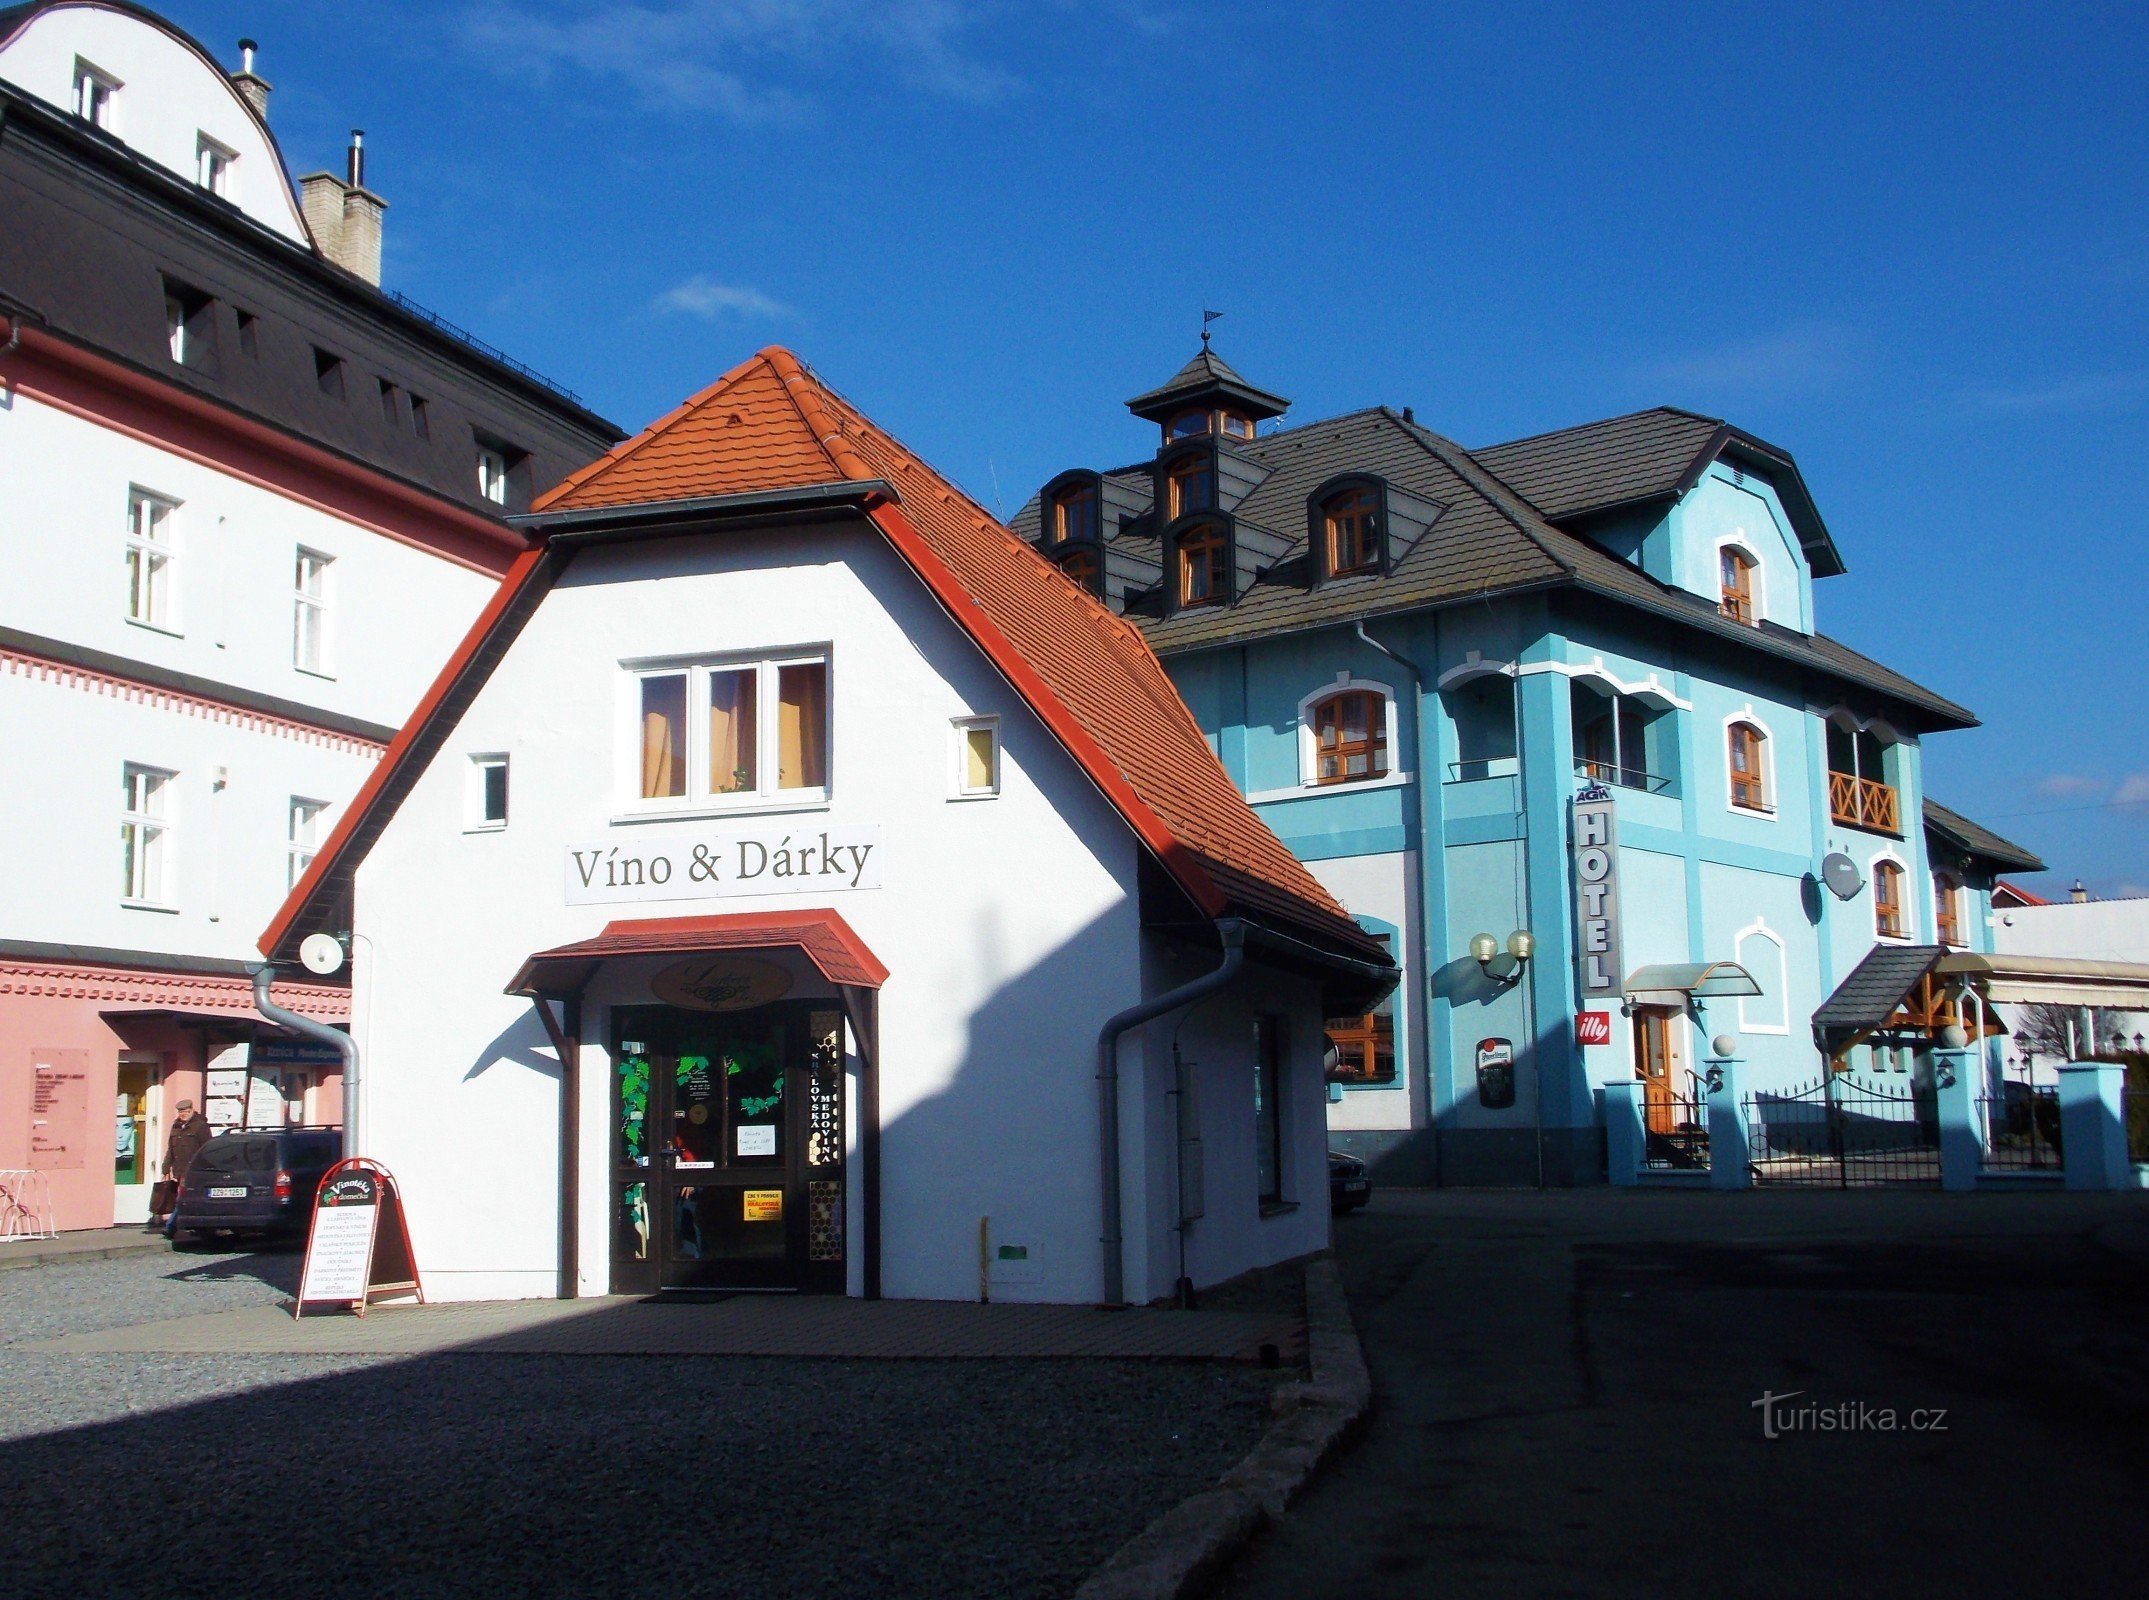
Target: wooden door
x=1654 y=1050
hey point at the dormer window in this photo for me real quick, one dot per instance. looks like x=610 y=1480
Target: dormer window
x=96 y=96
x=1081 y=565
x=1190 y=485
x=1736 y=568
x=212 y=166
x=1187 y=425
x=1199 y=424
x=1236 y=425
x=1350 y=524
x=1203 y=576
x=1074 y=514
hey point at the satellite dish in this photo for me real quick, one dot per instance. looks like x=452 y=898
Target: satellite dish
x=321 y=953
x=1840 y=873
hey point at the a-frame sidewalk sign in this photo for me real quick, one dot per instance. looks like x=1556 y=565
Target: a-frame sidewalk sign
x=358 y=1246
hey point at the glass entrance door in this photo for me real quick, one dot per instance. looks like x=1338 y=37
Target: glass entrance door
x=728 y=1149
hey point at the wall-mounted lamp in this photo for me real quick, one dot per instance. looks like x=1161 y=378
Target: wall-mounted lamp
x=1484 y=950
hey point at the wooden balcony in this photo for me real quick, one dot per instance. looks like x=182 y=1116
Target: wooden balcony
x=1863 y=803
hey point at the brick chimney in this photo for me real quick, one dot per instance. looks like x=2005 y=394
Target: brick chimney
x=249 y=82
x=344 y=216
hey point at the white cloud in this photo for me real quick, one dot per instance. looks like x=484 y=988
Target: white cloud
x=702 y=296
x=1808 y=355
x=2083 y=392
x=2070 y=786
x=2133 y=790
x=729 y=57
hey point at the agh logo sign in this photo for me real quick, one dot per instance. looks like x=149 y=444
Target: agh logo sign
x=715 y=865
x=1596 y=893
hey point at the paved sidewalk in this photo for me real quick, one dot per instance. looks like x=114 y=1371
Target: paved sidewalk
x=91 y=1244
x=745 y=1325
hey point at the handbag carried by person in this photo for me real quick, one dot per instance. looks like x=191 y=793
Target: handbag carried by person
x=163 y=1195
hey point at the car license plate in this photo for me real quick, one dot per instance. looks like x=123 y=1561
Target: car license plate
x=228 y=1192
x=1350 y=1185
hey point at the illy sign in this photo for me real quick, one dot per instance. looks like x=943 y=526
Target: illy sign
x=1596 y=892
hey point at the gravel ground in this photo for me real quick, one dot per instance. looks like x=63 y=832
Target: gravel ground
x=588 y=1475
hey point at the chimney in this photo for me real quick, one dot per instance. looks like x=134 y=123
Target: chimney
x=344 y=216
x=2078 y=894
x=249 y=82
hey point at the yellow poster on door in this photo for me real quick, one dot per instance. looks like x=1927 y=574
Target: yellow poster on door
x=764 y=1205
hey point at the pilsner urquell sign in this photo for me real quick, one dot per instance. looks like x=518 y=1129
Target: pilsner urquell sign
x=1596 y=893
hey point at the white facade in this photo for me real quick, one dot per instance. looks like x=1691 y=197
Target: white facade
x=1010 y=927
x=2086 y=930
x=161 y=98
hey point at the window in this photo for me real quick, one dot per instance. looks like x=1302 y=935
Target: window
x=492 y=474
x=249 y=335
x=302 y=837
x=1737 y=571
x=1365 y=1046
x=145 y=835
x=1947 y=910
x=488 y=793
x=977 y=757
x=1202 y=577
x=1483 y=711
x=309 y=611
x=1191 y=485
x=1081 y=565
x=1350 y=737
x=150 y=553
x=96 y=96
x=1268 y=1110
x=391 y=403
x=1238 y=425
x=212 y=165
x=1616 y=738
x=421 y=418
x=1074 y=514
x=701 y=731
x=1888 y=900
x=1350 y=523
x=1859 y=795
x=189 y=326
x=328 y=373
x=1749 y=776
x=1187 y=425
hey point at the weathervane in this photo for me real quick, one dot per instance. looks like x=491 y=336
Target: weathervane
x=1207 y=317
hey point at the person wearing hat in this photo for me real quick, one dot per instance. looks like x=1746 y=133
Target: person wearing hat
x=187 y=1137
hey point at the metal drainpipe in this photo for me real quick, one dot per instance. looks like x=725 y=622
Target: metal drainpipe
x=345 y=1046
x=1233 y=934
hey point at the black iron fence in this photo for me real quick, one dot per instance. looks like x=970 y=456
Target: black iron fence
x=1844 y=1132
x=1675 y=1128
x=2022 y=1129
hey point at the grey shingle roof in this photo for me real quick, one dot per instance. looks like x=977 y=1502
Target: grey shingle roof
x=1868 y=996
x=1207 y=370
x=1976 y=840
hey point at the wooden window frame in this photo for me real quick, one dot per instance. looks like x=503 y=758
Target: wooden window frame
x=1735 y=577
x=1362 y=1042
x=1890 y=914
x=1751 y=792
x=1208 y=541
x=1947 y=911
x=1367 y=513
x=1059 y=527
x=1086 y=559
x=1181 y=469
x=1329 y=711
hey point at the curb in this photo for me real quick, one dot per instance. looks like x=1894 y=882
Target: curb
x=107 y=1252
x=1193 y=1541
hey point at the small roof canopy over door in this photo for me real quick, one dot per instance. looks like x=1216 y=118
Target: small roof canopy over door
x=1674 y=983
x=822 y=936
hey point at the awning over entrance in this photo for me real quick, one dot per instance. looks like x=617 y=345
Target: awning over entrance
x=822 y=936
x=1904 y=993
x=1674 y=983
x=2053 y=980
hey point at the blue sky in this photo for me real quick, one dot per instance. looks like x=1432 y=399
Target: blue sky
x=1911 y=248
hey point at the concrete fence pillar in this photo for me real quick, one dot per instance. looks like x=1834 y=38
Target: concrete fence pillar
x=2093 y=1125
x=1625 y=1133
x=1962 y=1128
x=1730 y=1142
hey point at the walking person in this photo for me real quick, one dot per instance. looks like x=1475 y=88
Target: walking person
x=187 y=1137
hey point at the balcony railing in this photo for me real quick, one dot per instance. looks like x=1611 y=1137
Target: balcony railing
x=1863 y=803
x=1624 y=777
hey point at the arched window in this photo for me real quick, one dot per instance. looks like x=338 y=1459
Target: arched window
x=1350 y=737
x=1737 y=571
x=1364 y=1045
x=1190 y=485
x=1081 y=565
x=1947 y=909
x=1749 y=767
x=1614 y=737
x=1074 y=514
x=1888 y=900
x=1202 y=575
x=1187 y=425
x=1237 y=425
x=1483 y=711
x=1350 y=522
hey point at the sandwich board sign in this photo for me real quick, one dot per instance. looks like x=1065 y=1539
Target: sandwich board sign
x=358 y=1245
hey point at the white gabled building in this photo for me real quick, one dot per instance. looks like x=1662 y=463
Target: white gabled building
x=843 y=828
x=245 y=512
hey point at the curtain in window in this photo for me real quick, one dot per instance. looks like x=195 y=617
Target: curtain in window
x=802 y=726
x=732 y=732
x=663 y=737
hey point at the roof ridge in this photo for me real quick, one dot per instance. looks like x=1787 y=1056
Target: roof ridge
x=1437 y=445
x=809 y=395
x=1599 y=422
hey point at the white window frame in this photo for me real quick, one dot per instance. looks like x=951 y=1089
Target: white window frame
x=146 y=826
x=1908 y=902
x=1309 y=741
x=175 y=328
x=698 y=801
x=960 y=729
x=1754 y=565
x=215 y=166
x=1771 y=796
x=474 y=818
x=317 y=607
x=89 y=79
x=492 y=475
x=302 y=836
x=151 y=553
x=1759 y=929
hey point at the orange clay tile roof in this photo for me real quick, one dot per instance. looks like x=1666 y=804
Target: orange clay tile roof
x=769 y=423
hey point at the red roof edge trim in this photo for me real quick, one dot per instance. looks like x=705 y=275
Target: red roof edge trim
x=519 y=576
x=971 y=618
x=626 y=447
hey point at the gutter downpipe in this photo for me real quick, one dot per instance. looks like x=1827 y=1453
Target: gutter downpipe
x=1233 y=934
x=344 y=1044
x=1422 y=1008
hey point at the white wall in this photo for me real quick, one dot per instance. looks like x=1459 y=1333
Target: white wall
x=169 y=98
x=1009 y=925
x=2091 y=930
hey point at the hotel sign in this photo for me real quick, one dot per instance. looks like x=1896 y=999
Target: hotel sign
x=715 y=864
x=1595 y=851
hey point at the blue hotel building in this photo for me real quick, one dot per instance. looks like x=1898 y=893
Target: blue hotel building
x=1554 y=719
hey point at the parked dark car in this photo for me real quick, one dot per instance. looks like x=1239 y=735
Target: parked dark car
x=255 y=1183
x=1348 y=1186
